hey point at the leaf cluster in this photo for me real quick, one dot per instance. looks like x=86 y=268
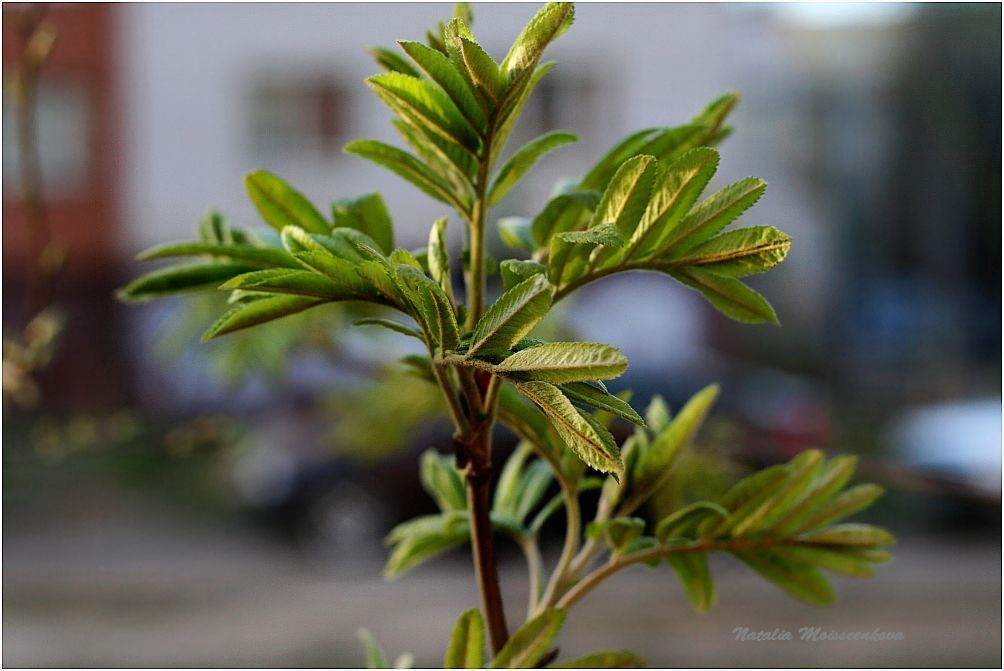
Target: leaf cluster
x=786 y=522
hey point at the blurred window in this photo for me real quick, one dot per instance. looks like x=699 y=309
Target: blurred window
x=297 y=117
x=63 y=127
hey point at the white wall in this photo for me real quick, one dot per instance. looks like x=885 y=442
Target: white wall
x=187 y=68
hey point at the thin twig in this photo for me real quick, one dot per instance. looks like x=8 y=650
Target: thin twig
x=534 y=565
x=573 y=528
x=590 y=582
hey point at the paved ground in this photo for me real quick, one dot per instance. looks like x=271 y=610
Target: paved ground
x=149 y=590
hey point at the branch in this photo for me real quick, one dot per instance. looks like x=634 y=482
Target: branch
x=573 y=529
x=534 y=568
x=614 y=565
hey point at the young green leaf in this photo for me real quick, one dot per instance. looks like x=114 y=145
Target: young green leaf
x=375 y=658
x=692 y=570
x=654 y=465
x=524 y=159
x=391 y=325
x=512 y=105
x=550 y=22
x=281 y=205
x=562 y=362
x=627 y=195
x=750 y=489
x=591 y=442
x=835 y=474
x=847 y=561
x=620 y=532
x=713 y=116
x=293 y=282
x=515 y=271
x=605 y=235
x=587 y=394
x=439 y=258
x=483 y=71
x=624 y=202
x=601 y=173
x=728 y=295
x=511 y=317
x=467 y=644
x=442 y=481
x=844 y=505
x=181 y=278
x=713 y=215
x=562 y=213
x=800 y=580
x=803 y=470
x=739 y=253
x=686 y=518
x=526 y=421
x=430 y=306
x=367 y=214
x=392 y=62
x=442 y=71
x=532 y=486
x=263 y=257
x=408 y=167
x=422 y=538
x=452 y=163
x=515 y=233
x=657 y=414
x=507 y=489
x=530 y=642
x=258 y=312
x=675 y=192
x=849 y=534
x=426 y=105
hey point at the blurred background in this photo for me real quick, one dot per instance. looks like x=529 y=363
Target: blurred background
x=173 y=504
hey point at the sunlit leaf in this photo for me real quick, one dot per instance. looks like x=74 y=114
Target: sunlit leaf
x=467 y=643
x=531 y=642
x=281 y=205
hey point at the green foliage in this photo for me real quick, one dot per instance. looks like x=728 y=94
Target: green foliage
x=281 y=205
x=524 y=159
x=467 y=644
x=783 y=523
x=640 y=207
x=512 y=316
x=531 y=642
